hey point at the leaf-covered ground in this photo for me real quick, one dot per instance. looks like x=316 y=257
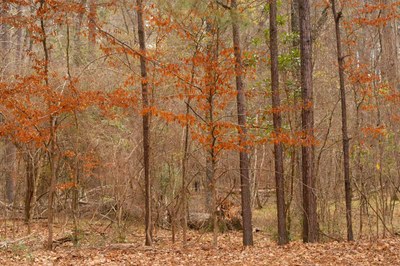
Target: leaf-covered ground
x=29 y=251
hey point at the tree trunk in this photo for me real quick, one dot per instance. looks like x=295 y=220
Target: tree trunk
x=53 y=180
x=212 y=50
x=185 y=161
x=30 y=187
x=310 y=223
x=209 y=177
x=277 y=122
x=146 y=125
x=52 y=137
x=214 y=203
x=241 y=108
x=345 y=138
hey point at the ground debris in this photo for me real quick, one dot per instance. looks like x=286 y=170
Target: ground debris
x=229 y=252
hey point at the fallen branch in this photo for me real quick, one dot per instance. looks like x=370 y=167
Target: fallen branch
x=63 y=240
x=5 y=244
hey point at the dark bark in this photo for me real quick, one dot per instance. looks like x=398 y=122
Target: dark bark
x=277 y=123
x=310 y=223
x=241 y=109
x=30 y=187
x=146 y=125
x=345 y=138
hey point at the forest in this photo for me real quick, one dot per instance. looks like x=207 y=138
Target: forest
x=176 y=132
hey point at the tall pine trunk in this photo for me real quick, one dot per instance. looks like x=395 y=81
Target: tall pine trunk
x=277 y=122
x=241 y=109
x=310 y=223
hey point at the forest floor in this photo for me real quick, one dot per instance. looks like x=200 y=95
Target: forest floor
x=27 y=249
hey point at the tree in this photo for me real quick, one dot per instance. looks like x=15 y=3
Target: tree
x=146 y=124
x=41 y=12
x=310 y=223
x=277 y=123
x=241 y=109
x=345 y=137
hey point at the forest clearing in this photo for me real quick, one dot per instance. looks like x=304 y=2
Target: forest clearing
x=150 y=132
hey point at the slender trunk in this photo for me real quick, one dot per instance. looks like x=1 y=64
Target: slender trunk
x=211 y=153
x=75 y=195
x=146 y=124
x=345 y=138
x=30 y=187
x=241 y=108
x=295 y=125
x=214 y=203
x=75 y=168
x=310 y=223
x=209 y=177
x=52 y=137
x=185 y=160
x=277 y=122
x=211 y=78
